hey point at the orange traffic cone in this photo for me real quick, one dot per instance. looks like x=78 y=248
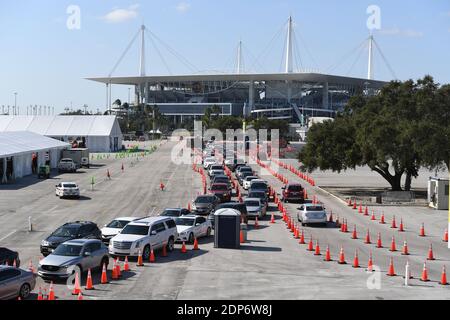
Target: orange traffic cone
x=302 y=238
x=114 y=275
x=126 y=265
x=80 y=296
x=354 y=234
x=354 y=205
x=424 y=276
x=393 y=246
x=189 y=206
x=367 y=240
x=422 y=230
x=345 y=226
x=104 y=278
x=317 y=251
x=164 y=250
x=331 y=217
x=349 y=202
x=241 y=237
x=310 y=245
x=161 y=186
x=405 y=251
x=118 y=270
x=401 y=227
x=391 y=271
x=370 y=263
x=360 y=210
x=272 y=218
x=140 y=263
x=195 y=244
x=89 y=285
x=379 y=244
x=51 y=292
x=443 y=277
x=430 y=253
x=108 y=174
x=77 y=288
x=366 y=211
x=152 y=259
x=328 y=254
x=356 y=260
x=394 y=223
x=257 y=224
x=40 y=297
x=342 y=256
x=445 y=239
x=382 y=218
x=183 y=248
x=373 y=218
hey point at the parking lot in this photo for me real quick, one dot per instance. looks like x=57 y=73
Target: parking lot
x=270 y=265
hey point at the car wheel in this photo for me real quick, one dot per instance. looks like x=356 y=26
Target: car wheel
x=24 y=291
x=105 y=261
x=208 y=232
x=303 y=224
x=170 y=244
x=191 y=238
x=146 y=253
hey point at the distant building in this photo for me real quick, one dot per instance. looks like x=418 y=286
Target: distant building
x=97 y=133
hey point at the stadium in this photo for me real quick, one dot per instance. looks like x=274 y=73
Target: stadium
x=288 y=95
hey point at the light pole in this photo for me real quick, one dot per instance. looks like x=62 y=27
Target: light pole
x=15 y=102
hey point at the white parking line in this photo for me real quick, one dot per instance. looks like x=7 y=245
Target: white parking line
x=9 y=234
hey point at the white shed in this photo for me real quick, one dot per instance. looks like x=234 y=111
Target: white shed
x=17 y=149
x=100 y=133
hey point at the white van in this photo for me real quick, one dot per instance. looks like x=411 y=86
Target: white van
x=143 y=235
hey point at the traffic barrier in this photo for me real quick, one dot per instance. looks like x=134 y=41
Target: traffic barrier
x=51 y=292
x=195 y=244
x=367 y=239
x=126 y=265
x=405 y=250
x=394 y=223
x=443 y=277
x=391 y=270
x=356 y=260
x=77 y=288
x=342 y=256
x=422 y=230
x=424 y=276
x=354 y=234
x=328 y=254
x=401 y=227
x=89 y=285
x=393 y=246
x=152 y=259
x=104 y=277
x=140 y=263
x=379 y=244
x=430 y=253
x=317 y=250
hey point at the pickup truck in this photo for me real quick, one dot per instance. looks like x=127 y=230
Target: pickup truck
x=67 y=165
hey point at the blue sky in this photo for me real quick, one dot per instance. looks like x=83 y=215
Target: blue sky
x=46 y=63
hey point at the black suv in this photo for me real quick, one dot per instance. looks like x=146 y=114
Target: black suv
x=70 y=231
x=8 y=257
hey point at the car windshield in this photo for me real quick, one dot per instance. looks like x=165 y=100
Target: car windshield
x=69 y=185
x=184 y=222
x=171 y=213
x=314 y=208
x=252 y=203
x=66 y=231
x=219 y=187
x=68 y=250
x=295 y=188
x=118 y=224
x=204 y=200
x=135 y=229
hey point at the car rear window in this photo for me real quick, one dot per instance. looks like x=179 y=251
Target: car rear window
x=314 y=208
x=258 y=185
x=295 y=188
x=171 y=213
x=252 y=203
x=204 y=200
x=219 y=187
x=69 y=185
x=135 y=229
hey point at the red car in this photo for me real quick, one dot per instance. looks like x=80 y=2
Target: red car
x=293 y=192
x=221 y=190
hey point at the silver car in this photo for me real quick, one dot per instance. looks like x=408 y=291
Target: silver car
x=73 y=256
x=15 y=282
x=255 y=207
x=312 y=214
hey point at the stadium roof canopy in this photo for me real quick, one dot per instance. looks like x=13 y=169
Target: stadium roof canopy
x=242 y=77
x=60 y=125
x=22 y=142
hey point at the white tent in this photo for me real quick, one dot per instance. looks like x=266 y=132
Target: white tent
x=101 y=133
x=16 y=149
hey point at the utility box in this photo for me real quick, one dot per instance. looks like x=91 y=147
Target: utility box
x=438 y=193
x=227 y=228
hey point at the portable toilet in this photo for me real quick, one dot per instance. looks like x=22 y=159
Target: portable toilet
x=438 y=193
x=227 y=228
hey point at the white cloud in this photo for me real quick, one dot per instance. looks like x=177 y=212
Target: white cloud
x=182 y=7
x=118 y=15
x=409 y=33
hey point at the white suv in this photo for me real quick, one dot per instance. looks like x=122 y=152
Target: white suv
x=143 y=235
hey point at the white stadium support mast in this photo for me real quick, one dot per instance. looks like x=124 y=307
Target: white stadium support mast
x=239 y=58
x=289 y=68
x=370 y=62
x=142 y=57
